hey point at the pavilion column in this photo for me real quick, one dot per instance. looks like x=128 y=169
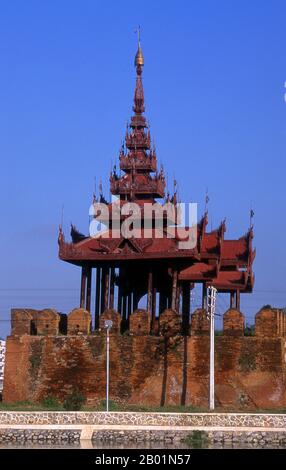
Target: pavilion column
x=102 y=295
x=174 y=289
x=119 y=298
x=150 y=288
x=106 y=288
x=153 y=311
x=119 y=292
x=83 y=286
x=88 y=289
x=169 y=300
x=135 y=301
x=204 y=297
x=232 y=300
x=186 y=307
x=129 y=309
x=112 y=282
x=237 y=300
x=97 y=298
x=163 y=302
x=179 y=289
x=124 y=309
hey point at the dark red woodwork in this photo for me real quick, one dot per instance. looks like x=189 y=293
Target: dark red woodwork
x=129 y=269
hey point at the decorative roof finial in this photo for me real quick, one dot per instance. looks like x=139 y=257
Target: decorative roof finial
x=207 y=199
x=251 y=215
x=139 y=59
x=139 y=93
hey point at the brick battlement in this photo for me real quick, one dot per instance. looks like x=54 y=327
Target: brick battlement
x=269 y=322
x=50 y=354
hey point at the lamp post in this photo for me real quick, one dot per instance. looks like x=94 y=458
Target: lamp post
x=212 y=291
x=107 y=326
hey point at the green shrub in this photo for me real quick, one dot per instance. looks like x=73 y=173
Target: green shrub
x=74 y=401
x=50 y=402
x=112 y=405
x=197 y=439
x=218 y=333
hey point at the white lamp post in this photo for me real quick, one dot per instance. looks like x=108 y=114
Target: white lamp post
x=107 y=326
x=212 y=291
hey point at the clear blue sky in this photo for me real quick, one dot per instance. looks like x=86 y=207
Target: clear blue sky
x=214 y=85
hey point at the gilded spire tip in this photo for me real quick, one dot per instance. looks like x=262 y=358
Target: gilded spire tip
x=139 y=58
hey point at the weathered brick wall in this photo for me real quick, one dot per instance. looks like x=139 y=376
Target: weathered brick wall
x=147 y=370
x=140 y=322
x=233 y=323
x=200 y=324
x=30 y=321
x=79 y=321
x=165 y=368
x=47 y=322
x=21 y=319
x=113 y=315
x=270 y=322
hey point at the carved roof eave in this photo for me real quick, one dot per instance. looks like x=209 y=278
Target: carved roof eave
x=105 y=248
x=199 y=272
x=80 y=257
x=244 y=284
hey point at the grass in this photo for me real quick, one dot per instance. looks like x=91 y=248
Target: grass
x=29 y=406
x=51 y=404
x=113 y=406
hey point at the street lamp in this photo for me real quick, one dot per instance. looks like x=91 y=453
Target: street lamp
x=212 y=292
x=107 y=326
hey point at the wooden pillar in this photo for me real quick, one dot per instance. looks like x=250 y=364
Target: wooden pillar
x=124 y=308
x=119 y=292
x=129 y=305
x=174 y=289
x=186 y=306
x=163 y=302
x=232 y=300
x=119 y=300
x=237 y=300
x=169 y=299
x=112 y=281
x=88 y=289
x=153 y=310
x=97 y=298
x=204 y=297
x=150 y=288
x=135 y=301
x=178 y=299
x=106 y=289
x=83 y=287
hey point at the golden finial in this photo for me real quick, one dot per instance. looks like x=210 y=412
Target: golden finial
x=139 y=59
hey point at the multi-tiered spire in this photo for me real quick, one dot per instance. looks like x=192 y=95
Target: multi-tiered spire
x=138 y=157
x=148 y=264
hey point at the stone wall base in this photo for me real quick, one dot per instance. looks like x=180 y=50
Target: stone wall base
x=206 y=437
x=52 y=436
x=167 y=436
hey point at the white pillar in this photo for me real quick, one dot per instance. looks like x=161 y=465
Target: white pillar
x=211 y=316
x=107 y=325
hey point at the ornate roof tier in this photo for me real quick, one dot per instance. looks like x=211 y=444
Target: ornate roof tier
x=212 y=259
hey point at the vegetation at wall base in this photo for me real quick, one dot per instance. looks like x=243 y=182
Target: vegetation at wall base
x=197 y=440
x=74 y=401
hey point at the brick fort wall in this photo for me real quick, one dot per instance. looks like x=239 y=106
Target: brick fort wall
x=162 y=369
